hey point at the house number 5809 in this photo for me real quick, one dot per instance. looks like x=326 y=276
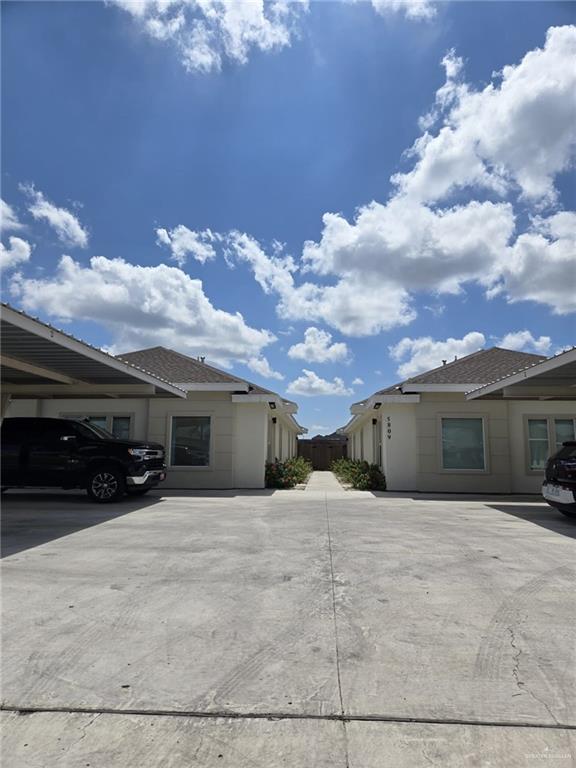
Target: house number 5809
x=389 y=427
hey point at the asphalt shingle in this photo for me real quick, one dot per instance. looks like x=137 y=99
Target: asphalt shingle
x=175 y=367
x=482 y=367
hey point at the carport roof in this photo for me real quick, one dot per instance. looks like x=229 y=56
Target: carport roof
x=552 y=378
x=38 y=360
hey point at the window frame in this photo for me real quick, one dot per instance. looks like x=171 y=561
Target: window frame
x=550 y=418
x=108 y=415
x=482 y=417
x=184 y=467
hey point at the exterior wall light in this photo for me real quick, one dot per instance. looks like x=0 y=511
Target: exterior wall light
x=377 y=405
x=272 y=405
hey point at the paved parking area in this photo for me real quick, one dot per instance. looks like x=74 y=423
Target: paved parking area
x=296 y=628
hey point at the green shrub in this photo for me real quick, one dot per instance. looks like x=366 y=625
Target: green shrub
x=359 y=474
x=299 y=467
x=287 y=474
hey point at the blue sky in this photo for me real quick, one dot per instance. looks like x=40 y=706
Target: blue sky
x=331 y=193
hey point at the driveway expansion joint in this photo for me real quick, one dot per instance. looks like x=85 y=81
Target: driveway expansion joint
x=335 y=619
x=235 y=715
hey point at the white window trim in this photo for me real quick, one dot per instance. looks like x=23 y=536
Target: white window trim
x=182 y=468
x=485 y=443
x=108 y=415
x=549 y=418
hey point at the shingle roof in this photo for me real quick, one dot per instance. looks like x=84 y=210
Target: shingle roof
x=176 y=367
x=480 y=367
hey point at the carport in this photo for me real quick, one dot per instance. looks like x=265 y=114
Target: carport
x=39 y=361
x=552 y=379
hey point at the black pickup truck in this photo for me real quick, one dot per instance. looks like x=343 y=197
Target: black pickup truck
x=65 y=453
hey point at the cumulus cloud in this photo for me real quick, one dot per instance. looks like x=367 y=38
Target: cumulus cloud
x=310 y=384
x=425 y=353
x=515 y=133
x=362 y=275
x=411 y=246
x=261 y=366
x=523 y=341
x=18 y=253
x=412 y=9
x=382 y=306
x=317 y=347
x=357 y=382
x=143 y=307
x=541 y=265
x=65 y=224
x=207 y=33
x=184 y=242
x=8 y=218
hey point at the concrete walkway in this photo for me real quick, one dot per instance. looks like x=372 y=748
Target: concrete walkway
x=323 y=481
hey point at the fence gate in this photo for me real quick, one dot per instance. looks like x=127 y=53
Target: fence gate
x=322 y=452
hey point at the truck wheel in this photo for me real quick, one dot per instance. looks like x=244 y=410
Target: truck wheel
x=106 y=484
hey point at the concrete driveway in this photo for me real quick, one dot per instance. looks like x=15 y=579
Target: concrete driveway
x=309 y=629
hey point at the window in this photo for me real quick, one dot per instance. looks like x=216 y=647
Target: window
x=545 y=437
x=377 y=441
x=537 y=443
x=190 y=441
x=563 y=432
x=463 y=444
x=119 y=426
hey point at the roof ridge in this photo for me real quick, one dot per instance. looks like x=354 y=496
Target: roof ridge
x=219 y=371
x=449 y=364
x=482 y=351
x=188 y=358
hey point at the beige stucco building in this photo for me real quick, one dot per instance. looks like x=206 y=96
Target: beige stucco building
x=482 y=424
x=218 y=435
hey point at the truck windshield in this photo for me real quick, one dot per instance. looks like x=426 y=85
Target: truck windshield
x=91 y=430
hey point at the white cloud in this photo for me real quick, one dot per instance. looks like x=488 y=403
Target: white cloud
x=64 y=223
x=310 y=384
x=18 y=253
x=261 y=366
x=184 y=242
x=380 y=307
x=541 y=265
x=272 y=273
x=143 y=307
x=317 y=347
x=425 y=353
x=8 y=218
x=206 y=33
x=411 y=246
x=412 y=9
x=362 y=275
x=523 y=341
x=519 y=132
x=357 y=382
